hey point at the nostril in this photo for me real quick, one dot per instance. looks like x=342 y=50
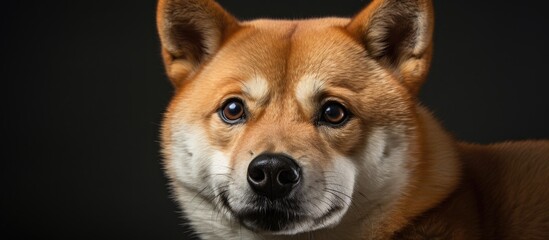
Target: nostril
x=286 y=177
x=257 y=175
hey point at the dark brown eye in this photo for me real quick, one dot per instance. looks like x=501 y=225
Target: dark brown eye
x=333 y=113
x=233 y=111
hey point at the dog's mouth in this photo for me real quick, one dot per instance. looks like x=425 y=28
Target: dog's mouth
x=277 y=217
x=268 y=219
x=268 y=216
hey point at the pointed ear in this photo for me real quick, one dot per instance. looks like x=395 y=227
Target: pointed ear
x=191 y=31
x=398 y=33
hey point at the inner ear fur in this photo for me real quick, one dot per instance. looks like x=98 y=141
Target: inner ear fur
x=398 y=34
x=191 y=31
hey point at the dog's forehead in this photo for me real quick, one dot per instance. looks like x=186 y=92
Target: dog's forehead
x=306 y=46
x=285 y=53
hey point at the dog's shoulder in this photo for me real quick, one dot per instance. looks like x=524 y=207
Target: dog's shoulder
x=511 y=182
x=519 y=168
x=501 y=195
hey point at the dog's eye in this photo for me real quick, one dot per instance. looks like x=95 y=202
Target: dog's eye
x=232 y=111
x=333 y=113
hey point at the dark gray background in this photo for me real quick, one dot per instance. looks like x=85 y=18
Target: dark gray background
x=84 y=90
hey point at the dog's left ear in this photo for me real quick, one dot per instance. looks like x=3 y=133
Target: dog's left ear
x=191 y=32
x=398 y=33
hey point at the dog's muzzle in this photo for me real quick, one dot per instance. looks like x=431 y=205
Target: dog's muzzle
x=273 y=176
x=274 y=179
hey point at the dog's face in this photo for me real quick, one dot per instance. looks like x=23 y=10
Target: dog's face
x=283 y=126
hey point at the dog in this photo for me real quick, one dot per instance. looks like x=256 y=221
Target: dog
x=312 y=129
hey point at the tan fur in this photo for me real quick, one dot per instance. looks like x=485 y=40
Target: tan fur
x=406 y=177
x=502 y=196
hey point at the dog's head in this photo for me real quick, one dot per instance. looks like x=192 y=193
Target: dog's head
x=283 y=126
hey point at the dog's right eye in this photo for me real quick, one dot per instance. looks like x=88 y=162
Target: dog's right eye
x=333 y=114
x=232 y=111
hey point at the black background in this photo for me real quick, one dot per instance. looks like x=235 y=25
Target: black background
x=83 y=91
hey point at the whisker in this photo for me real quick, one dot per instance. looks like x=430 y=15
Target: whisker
x=337 y=185
x=336 y=191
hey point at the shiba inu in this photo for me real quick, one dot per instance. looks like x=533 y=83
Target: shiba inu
x=311 y=129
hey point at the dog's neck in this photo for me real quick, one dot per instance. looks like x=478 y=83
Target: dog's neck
x=437 y=175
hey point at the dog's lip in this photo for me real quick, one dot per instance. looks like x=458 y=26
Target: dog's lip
x=259 y=222
x=250 y=218
x=268 y=220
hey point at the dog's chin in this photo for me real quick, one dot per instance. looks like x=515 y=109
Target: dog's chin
x=281 y=217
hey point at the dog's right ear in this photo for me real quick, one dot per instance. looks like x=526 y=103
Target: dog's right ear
x=191 y=31
x=398 y=33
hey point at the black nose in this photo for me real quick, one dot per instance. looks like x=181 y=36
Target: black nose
x=273 y=175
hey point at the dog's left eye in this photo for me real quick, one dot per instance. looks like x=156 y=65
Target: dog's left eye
x=232 y=111
x=333 y=114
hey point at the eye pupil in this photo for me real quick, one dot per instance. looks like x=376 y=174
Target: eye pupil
x=233 y=111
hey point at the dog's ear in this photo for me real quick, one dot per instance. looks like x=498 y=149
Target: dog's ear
x=191 y=31
x=398 y=33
